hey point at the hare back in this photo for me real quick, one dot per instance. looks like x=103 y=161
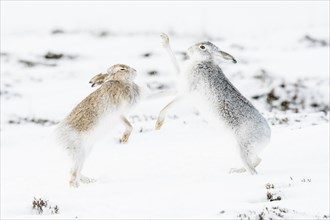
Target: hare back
x=208 y=82
x=109 y=98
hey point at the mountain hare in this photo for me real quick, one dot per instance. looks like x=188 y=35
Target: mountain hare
x=89 y=119
x=203 y=80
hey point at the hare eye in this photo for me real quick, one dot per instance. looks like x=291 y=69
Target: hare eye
x=202 y=47
x=122 y=69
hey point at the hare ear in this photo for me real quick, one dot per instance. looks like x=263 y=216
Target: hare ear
x=227 y=56
x=100 y=79
x=108 y=76
x=95 y=77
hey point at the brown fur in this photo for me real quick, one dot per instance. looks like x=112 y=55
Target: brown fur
x=117 y=67
x=115 y=72
x=99 y=79
x=111 y=94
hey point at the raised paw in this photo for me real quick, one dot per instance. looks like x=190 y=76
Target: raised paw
x=87 y=180
x=165 y=39
x=124 y=138
x=159 y=124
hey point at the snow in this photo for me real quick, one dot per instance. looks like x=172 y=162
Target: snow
x=180 y=171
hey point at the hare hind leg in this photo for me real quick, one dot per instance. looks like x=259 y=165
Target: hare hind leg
x=246 y=159
x=76 y=176
x=250 y=161
x=128 y=130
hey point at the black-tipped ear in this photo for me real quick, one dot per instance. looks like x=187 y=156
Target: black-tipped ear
x=92 y=84
x=227 y=56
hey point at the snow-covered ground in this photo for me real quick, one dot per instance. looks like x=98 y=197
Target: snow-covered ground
x=181 y=171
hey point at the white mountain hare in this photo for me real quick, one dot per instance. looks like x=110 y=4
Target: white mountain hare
x=90 y=118
x=203 y=80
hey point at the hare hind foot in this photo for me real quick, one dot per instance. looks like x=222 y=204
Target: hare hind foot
x=237 y=170
x=242 y=169
x=74 y=183
x=87 y=180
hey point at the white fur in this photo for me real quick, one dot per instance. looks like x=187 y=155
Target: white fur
x=191 y=87
x=79 y=144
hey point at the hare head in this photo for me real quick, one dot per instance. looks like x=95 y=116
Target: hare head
x=208 y=51
x=121 y=72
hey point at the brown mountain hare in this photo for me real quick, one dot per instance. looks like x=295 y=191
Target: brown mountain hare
x=93 y=115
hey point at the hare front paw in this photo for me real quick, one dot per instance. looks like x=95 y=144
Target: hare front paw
x=159 y=124
x=165 y=39
x=124 y=138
